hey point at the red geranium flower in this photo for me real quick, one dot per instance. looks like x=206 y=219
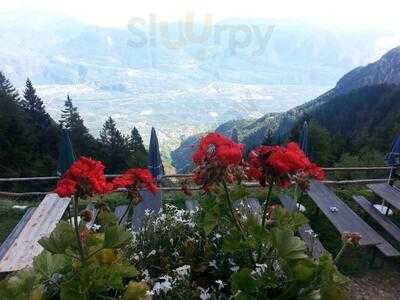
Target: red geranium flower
x=85 y=176
x=136 y=179
x=278 y=165
x=219 y=150
x=217 y=158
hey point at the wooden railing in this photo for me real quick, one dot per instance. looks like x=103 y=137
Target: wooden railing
x=196 y=188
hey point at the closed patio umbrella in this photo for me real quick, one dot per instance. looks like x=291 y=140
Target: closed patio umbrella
x=155 y=164
x=304 y=138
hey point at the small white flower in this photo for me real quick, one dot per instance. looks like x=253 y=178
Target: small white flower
x=147 y=212
x=235 y=269
x=136 y=257
x=213 y=264
x=217 y=236
x=152 y=252
x=183 y=271
x=171 y=240
x=220 y=284
x=164 y=286
x=204 y=295
x=146 y=275
x=231 y=262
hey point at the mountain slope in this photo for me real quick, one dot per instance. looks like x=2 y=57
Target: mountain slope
x=385 y=71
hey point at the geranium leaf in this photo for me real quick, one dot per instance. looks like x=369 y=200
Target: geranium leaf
x=115 y=237
x=243 y=281
x=288 y=246
x=60 y=239
x=47 y=264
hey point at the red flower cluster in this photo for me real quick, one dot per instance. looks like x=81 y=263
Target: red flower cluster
x=219 y=150
x=217 y=158
x=278 y=165
x=136 y=179
x=85 y=176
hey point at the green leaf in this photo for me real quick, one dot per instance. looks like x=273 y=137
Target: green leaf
x=136 y=291
x=115 y=237
x=288 y=246
x=285 y=219
x=243 y=281
x=304 y=270
x=47 y=264
x=232 y=242
x=239 y=192
x=107 y=219
x=61 y=239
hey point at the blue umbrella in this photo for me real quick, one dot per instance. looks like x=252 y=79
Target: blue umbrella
x=155 y=164
x=66 y=154
x=304 y=138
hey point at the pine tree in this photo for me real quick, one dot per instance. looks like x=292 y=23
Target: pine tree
x=82 y=141
x=7 y=87
x=138 y=153
x=115 y=147
x=34 y=106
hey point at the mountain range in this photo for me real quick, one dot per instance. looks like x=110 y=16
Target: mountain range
x=182 y=91
x=364 y=101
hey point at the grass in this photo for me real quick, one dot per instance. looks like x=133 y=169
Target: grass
x=10 y=216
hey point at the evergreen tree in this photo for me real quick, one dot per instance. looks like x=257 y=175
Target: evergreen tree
x=82 y=141
x=34 y=106
x=7 y=87
x=138 y=153
x=115 y=147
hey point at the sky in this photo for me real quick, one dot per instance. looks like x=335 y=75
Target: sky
x=347 y=13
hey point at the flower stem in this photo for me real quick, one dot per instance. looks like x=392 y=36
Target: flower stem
x=340 y=253
x=76 y=225
x=267 y=200
x=232 y=210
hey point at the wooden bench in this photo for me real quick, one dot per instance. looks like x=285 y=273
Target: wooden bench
x=381 y=219
x=345 y=220
x=122 y=215
x=22 y=245
x=388 y=193
x=306 y=233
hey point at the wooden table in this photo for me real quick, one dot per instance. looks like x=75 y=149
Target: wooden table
x=388 y=193
x=346 y=220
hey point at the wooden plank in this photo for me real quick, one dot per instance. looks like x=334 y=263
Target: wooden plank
x=150 y=202
x=306 y=232
x=345 y=220
x=42 y=223
x=119 y=212
x=382 y=220
x=387 y=193
x=192 y=205
x=15 y=232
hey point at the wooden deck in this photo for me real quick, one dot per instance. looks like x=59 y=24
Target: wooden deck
x=307 y=234
x=388 y=193
x=345 y=220
x=41 y=223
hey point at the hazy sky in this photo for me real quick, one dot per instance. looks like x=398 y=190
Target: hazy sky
x=351 y=13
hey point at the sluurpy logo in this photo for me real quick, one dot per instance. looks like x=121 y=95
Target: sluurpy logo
x=187 y=32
